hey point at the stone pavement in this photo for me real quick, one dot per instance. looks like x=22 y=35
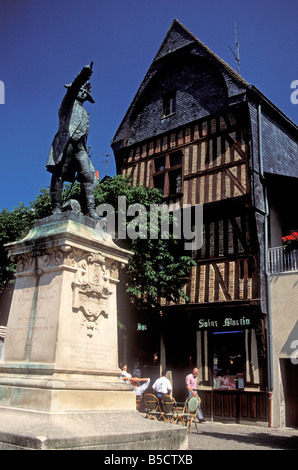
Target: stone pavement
x=218 y=436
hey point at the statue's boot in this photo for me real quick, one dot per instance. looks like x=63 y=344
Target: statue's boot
x=88 y=198
x=56 y=190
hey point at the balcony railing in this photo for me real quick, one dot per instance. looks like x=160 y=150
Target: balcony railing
x=281 y=260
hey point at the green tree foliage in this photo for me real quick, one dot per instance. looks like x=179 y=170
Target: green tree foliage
x=157 y=268
x=13 y=225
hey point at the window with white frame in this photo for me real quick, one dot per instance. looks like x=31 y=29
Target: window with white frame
x=169 y=104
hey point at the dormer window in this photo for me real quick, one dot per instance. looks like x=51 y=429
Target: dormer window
x=169 y=104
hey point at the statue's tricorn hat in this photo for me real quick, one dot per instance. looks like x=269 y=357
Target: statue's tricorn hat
x=87 y=88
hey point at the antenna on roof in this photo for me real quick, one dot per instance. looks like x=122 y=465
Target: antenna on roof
x=236 y=54
x=107 y=155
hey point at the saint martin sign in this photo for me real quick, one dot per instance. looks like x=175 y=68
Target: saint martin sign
x=224 y=323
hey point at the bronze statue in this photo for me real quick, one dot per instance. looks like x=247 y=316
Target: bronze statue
x=68 y=158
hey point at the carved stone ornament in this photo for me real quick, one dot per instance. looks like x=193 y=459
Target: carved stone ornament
x=91 y=285
x=91 y=289
x=40 y=259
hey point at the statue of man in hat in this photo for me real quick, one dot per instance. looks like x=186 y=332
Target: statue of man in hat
x=68 y=157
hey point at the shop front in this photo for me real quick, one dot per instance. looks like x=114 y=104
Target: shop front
x=232 y=366
x=228 y=348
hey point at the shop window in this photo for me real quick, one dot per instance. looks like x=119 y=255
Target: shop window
x=169 y=104
x=228 y=360
x=167 y=174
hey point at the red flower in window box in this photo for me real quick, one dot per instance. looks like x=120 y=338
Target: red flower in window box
x=291 y=241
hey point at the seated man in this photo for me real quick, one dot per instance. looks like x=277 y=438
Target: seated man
x=162 y=386
x=125 y=376
x=139 y=389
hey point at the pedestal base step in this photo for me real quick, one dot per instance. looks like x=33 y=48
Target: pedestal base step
x=127 y=430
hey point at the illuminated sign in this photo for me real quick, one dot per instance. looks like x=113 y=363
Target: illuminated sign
x=224 y=323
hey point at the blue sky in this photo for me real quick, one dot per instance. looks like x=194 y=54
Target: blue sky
x=45 y=43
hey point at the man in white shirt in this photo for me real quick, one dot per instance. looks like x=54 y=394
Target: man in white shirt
x=125 y=376
x=140 y=389
x=134 y=381
x=162 y=386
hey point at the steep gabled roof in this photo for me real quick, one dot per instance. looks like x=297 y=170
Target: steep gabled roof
x=177 y=38
x=171 y=43
x=183 y=37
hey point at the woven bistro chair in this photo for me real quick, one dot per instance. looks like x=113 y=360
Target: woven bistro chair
x=189 y=413
x=152 y=407
x=169 y=408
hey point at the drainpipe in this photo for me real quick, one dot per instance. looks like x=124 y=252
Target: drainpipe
x=267 y=275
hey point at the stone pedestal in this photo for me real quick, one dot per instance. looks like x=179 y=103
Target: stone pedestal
x=60 y=353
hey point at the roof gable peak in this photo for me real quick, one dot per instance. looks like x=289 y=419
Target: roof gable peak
x=177 y=37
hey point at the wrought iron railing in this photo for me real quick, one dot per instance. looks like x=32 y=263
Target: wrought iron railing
x=281 y=260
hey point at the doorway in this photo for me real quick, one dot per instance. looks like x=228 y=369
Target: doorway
x=289 y=373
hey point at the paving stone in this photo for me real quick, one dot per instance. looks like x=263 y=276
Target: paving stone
x=218 y=436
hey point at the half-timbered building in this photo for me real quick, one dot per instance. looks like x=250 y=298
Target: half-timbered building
x=202 y=135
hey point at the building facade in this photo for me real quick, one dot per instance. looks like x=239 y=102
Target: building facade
x=202 y=135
